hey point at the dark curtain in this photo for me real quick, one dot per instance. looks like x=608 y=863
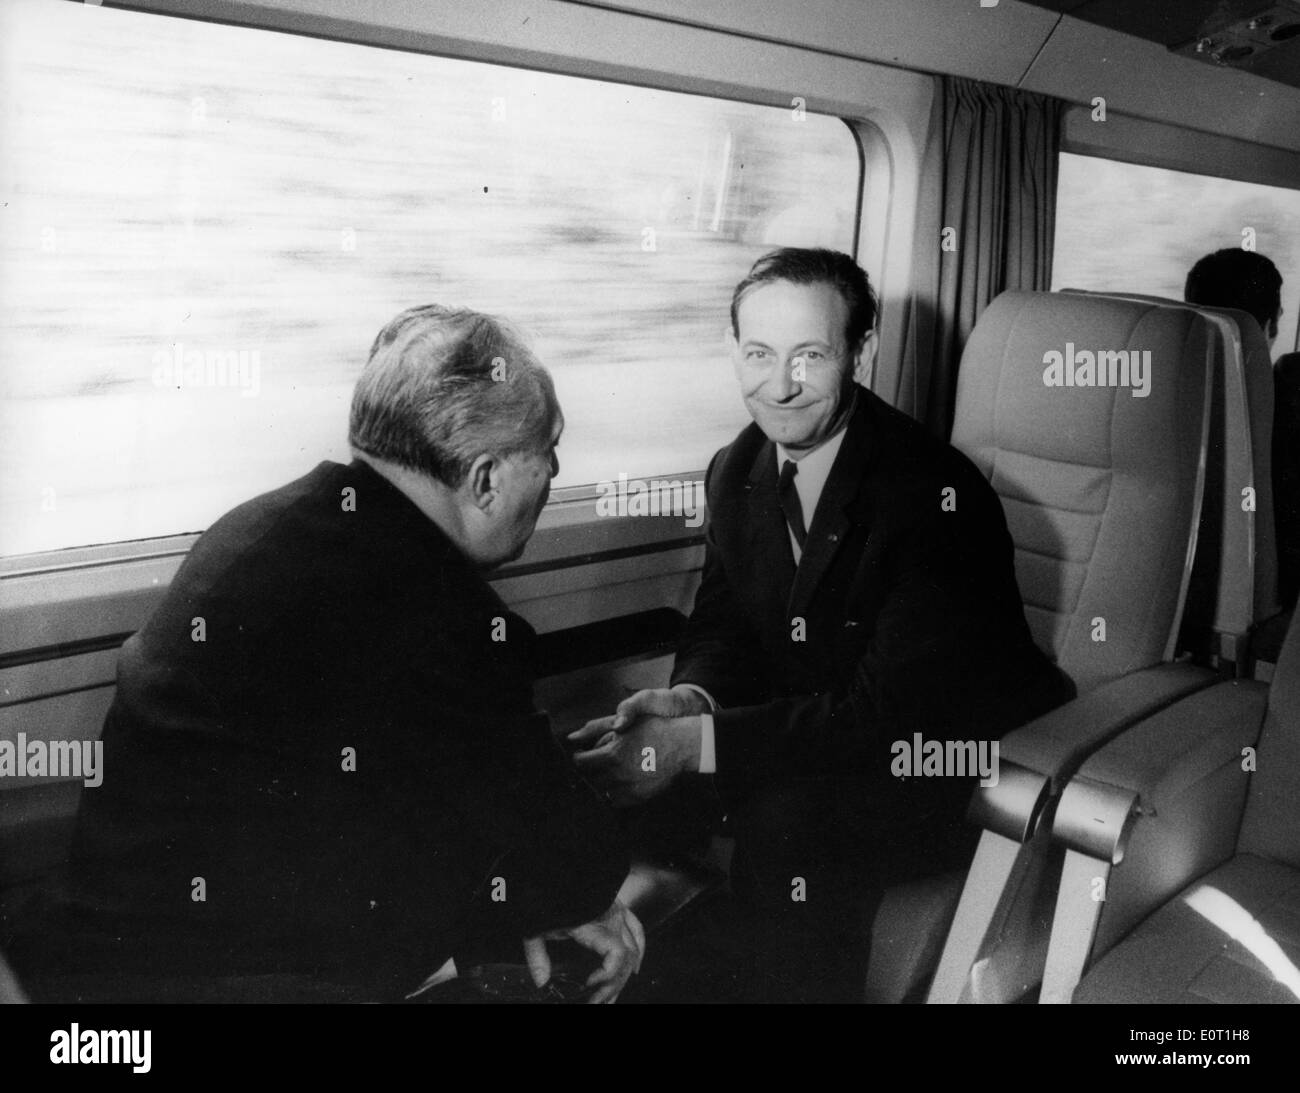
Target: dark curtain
x=988 y=173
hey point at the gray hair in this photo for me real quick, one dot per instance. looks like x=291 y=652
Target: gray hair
x=444 y=385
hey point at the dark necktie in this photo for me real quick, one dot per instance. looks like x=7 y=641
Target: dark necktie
x=789 y=497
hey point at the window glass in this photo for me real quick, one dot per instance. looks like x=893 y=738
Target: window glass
x=179 y=192
x=1121 y=227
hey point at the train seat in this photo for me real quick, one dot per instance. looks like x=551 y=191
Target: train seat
x=1200 y=857
x=1103 y=487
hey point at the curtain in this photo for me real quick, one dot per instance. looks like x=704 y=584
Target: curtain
x=988 y=174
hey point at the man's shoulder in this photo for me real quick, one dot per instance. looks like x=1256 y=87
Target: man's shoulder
x=339 y=533
x=903 y=447
x=269 y=516
x=919 y=475
x=342 y=564
x=1287 y=373
x=736 y=460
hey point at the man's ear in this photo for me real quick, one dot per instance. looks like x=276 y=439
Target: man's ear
x=864 y=360
x=481 y=483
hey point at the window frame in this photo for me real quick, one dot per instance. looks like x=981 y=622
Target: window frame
x=71 y=607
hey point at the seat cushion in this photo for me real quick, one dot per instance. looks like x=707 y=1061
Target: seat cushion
x=1246 y=951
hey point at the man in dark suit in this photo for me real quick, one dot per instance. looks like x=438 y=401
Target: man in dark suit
x=325 y=775
x=858 y=589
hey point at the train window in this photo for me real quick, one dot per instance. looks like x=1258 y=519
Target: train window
x=1122 y=227
x=207 y=224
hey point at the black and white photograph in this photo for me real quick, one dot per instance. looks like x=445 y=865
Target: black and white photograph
x=650 y=502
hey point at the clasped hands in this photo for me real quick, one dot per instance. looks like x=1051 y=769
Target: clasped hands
x=639 y=750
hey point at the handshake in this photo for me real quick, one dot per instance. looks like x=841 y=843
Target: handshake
x=638 y=751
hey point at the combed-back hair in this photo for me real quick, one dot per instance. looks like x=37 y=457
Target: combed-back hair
x=815 y=266
x=444 y=385
x=1238 y=278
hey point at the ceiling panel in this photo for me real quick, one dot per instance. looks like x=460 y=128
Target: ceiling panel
x=1180 y=23
x=955 y=36
x=1164 y=21
x=1081 y=61
x=1058 y=53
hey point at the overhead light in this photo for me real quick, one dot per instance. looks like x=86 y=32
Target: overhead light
x=1241 y=42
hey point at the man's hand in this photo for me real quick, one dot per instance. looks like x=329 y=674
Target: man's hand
x=679 y=701
x=617 y=937
x=636 y=753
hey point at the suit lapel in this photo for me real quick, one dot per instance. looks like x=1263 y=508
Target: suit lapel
x=843 y=503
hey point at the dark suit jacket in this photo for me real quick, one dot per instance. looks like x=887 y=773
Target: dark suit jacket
x=225 y=760
x=911 y=616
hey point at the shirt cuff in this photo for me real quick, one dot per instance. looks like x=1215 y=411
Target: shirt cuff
x=708 y=752
x=713 y=706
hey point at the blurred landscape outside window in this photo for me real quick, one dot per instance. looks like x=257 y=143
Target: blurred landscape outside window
x=177 y=193
x=1125 y=228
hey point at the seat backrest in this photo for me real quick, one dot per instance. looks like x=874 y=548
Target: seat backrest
x=1235 y=578
x=1101 y=484
x=1271 y=826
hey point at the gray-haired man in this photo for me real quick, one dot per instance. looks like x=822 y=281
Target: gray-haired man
x=325 y=776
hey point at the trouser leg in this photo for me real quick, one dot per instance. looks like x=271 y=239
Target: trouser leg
x=804 y=865
x=795 y=926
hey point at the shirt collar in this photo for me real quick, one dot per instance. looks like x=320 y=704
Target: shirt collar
x=816 y=465
x=814 y=470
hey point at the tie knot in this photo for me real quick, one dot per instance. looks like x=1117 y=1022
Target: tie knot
x=788 y=470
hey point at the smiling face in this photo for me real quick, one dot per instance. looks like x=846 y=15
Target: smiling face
x=790 y=356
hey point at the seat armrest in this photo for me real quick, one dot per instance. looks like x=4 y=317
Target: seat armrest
x=1164 y=800
x=1171 y=753
x=1057 y=743
x=1037 y=760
